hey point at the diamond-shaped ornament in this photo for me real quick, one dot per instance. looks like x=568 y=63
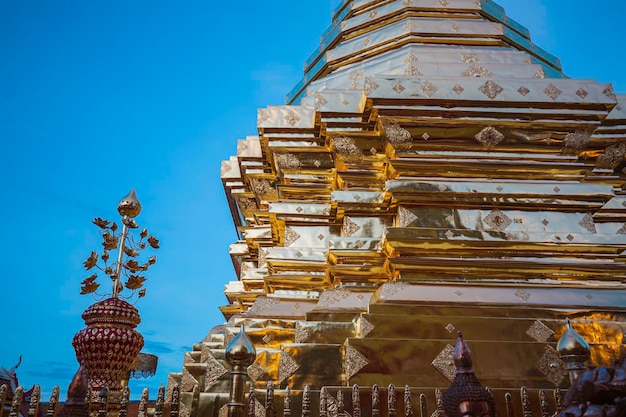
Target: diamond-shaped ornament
x=552 y=366
x=444 y=363
x=539 y=331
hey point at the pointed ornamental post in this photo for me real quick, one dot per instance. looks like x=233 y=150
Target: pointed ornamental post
x=574 y=350
x=109 y=345
x=240 y=354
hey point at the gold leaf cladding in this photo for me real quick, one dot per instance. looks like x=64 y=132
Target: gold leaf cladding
x=552 y=366
x=444 y=363
x=612 y=157
x=365 y=327
x=262 y=304
x=540 y=332
x=491 y=89
x=333 y=296
x=246 y=205
x=498 y=220
x=477 y=70
x=292 y=118
x=489 y=137
x=398 y=136
x=320 y=101
x=552 y=91
x=576 y=141
x=390 y=289
x=302 y=333
x=214 y=372
x=288 y=161
x=290 y=236
x=287 y=366
x=370 y=86
x=347 y=149
x=355 y=361
x=350 y=227
x=428 y=88
x=223 y=411
x=263 y=189
x=588 y=223
x=406 y=217
x=255 y=371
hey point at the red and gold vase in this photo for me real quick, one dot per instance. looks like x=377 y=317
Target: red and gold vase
x=108 y=346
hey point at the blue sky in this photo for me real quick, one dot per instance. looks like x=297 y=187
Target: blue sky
x=97 y=98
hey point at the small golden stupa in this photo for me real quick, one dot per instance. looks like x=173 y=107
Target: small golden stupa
x=434 y=170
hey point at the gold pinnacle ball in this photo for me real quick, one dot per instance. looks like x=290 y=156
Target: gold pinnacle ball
x=129 y=205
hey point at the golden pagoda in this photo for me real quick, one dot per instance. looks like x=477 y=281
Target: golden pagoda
x=433 y=171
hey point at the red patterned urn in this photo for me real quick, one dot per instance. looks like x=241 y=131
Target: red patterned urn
x=108 y=346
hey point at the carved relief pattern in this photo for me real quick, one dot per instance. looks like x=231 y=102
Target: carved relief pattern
x=355 y=361
x=290 y=236
x=406 y=217
x=288 y=161
x=262 y=304
x=365 y=327
x=444 y=363
x=398 y=136
x=552 y=91
x=540 y=332
x=320 y=101
x=347 y=149
x=470 y=58
x=350 y=227
x=576 y=141
x=489 y=137
x=477 y=70
x=612 y=157
x=498 y=220
x=292 y=118
x=390 y=289
x=610 y=93
x=622 y=231
x=333 y=296
x=287 y=366
x=188 y=382
x=458 y=89
x=214 y=372
x=411 y=68
x=588 y=223
x=263 y=189
x=491 y=89
x=523 y=91
x=302 y=333
x=522 y=294
x=370 y=86
x=552 y=366
x=263 y=116
x=355 y=76
x=255 y=371
x=428 y=88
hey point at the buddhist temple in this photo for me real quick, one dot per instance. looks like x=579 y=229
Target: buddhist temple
x=433 y=171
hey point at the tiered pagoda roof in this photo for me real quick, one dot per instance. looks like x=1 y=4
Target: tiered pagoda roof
x=433 y=170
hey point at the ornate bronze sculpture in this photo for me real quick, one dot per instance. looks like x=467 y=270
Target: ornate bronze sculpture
x=466 y=397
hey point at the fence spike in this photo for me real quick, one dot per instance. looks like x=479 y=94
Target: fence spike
x=124 y=402
x=323 y=403
x=408 y=402
x=3 y=398
x=423 y=406
x=543 y=401
x=439 y=404
x=558 y=399
x=54 y=400
x=341 y=407
x=252 y=402
x=508 y=400
x=33 y=406
x=287 y=403
x=88 y=398
x=17 y=402
x=160 y=401
x=143 y=403
x=375 y=401
x=391 y=400
x=175 y=404
x=356 y=401
x=306 y=401
x=270 y=407
x=526 y=410
x=103 y=403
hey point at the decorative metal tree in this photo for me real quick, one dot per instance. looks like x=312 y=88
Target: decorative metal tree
x=109 y=345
